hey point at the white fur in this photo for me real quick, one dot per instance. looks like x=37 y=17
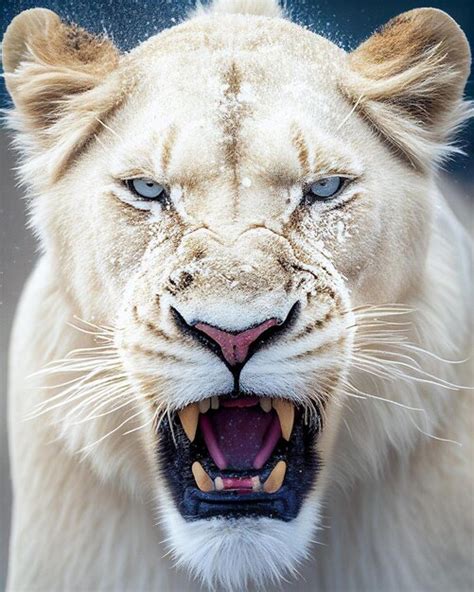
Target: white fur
x=248 y=551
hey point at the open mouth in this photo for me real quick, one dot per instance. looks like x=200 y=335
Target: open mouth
x=239 y=456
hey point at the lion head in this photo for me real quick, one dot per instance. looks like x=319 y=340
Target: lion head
x=227 y=198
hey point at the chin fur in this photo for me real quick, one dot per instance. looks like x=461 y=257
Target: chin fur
x=235 y=554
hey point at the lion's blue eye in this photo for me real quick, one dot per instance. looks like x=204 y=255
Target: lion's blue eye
x=325 y=188
x=146 y=188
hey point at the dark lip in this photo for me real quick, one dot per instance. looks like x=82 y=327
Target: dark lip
x=176 y=454
x=283 y=506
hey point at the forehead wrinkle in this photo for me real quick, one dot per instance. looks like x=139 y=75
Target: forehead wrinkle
x=299 y=143
x=135 y=157
x=167 y=147
x=189 y=166
x=271 y=157
x=330 y=155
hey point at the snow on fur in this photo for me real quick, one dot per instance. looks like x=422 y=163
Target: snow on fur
x=270 y=8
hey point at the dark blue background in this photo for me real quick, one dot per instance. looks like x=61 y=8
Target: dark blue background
x=346 y=22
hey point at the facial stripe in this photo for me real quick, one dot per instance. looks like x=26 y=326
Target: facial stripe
x=149 y=325
x=232 y=113
x=319 y=324
x=299 y=142
x=232 y=116
x=138 y=349
x=320 y=350
x=168 y=145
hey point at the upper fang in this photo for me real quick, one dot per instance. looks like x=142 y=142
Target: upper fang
x=189 y=417
x=286 y=415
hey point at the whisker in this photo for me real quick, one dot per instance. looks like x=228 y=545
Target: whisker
x=69 y=366
x=346 y=118
x=389 y=353
x=432 y=436
x=362 y=395
x=151 y=421
x=88 y=447
x=104 y=349
x=109 y=129
x=108 y=399
x=96 y=331
x=423 y=351
x=387 y=308
x=435 y=380
x=74 y=392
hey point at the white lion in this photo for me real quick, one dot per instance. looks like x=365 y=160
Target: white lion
x=247 y=327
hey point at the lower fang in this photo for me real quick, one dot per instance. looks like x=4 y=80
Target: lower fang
x=203 y=481
x=219 y=484
x=276 y=478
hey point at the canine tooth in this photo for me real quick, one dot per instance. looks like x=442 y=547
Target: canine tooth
x=219 y=484
x=286 y=415
x=276 y=477
x=214 y=402
x=204 y=405
x=189 y=417
x=266 y=404
x=203 y=481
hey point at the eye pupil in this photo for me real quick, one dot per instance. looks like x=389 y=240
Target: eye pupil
x=145 y=188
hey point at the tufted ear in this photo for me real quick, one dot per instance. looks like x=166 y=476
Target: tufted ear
x=408 y=82
x=58 y=76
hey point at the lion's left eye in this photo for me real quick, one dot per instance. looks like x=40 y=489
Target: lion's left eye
x=325 y=188
x=146 y=188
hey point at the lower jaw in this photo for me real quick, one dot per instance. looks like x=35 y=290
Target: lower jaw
x=176 y=456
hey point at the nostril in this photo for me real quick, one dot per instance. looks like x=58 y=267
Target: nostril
x=235 y=346
x=180 y=281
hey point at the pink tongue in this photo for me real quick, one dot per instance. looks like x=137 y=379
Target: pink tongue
x=240 y=437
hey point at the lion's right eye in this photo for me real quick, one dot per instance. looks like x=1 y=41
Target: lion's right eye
x=326 y=188
x=145 y=188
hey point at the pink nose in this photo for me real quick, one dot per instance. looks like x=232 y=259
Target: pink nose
x=235 y=347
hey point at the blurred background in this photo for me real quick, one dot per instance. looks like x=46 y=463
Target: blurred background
x=127 y=22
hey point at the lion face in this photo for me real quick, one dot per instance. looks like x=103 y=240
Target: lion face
x=230 y=208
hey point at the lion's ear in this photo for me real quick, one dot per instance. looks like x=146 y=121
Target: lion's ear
x=60 y=78
x=46 y=61
x=408 y=81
